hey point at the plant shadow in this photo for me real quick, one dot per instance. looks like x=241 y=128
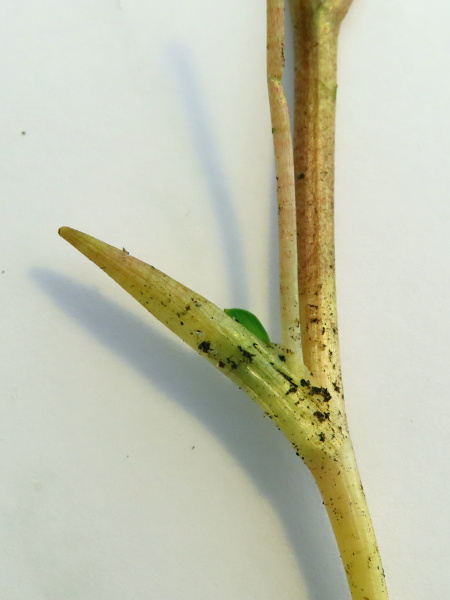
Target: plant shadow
x=197 y=115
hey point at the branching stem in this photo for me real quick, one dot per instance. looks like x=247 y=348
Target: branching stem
x=316 y=26
x=303 y=396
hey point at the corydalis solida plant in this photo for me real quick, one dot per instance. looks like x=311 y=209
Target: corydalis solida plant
x=298 y=383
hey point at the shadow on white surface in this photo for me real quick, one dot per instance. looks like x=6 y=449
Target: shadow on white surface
x=206 y=147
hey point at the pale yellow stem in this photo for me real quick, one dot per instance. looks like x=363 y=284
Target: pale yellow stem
x=343 y=496
x=284 y=163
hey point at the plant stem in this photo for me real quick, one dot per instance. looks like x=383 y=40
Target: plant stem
x=316 y=26
x=343 y=496
x=284 y=164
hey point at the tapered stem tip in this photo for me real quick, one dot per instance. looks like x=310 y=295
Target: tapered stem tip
x=83 y=242
x=69 y=234
x=91 y=247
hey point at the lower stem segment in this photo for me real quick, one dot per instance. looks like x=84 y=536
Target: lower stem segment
x=344 y=499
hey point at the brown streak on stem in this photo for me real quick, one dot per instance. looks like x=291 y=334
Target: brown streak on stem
x=316 y=28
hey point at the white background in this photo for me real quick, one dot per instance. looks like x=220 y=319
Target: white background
x=129 y=468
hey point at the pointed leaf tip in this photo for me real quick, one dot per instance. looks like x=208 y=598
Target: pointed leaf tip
x=97 y=251
x=62 y=231
x=73 y=236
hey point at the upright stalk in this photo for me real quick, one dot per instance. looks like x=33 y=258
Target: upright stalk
x=284 y=164
x=316 y=26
